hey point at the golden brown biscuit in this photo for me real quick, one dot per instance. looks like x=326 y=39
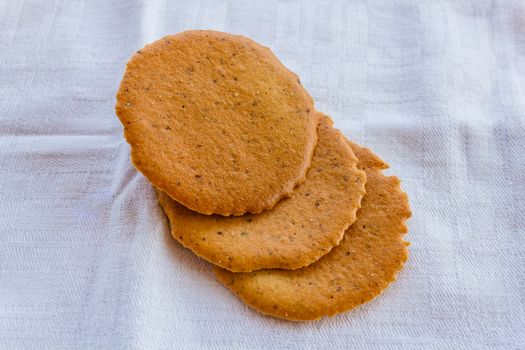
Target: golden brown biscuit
x=217 y=122
x=367 y=260
x=297 y=231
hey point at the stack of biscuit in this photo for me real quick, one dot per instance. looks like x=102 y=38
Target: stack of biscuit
x=298 y=221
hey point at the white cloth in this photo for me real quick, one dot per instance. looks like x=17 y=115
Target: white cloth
x=435 y=88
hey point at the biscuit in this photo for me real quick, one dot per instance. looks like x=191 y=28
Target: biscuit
x=217 y=122
x=358 y=269
x=297 y=231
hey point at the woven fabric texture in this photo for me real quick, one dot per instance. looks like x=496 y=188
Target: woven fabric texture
x=436 y=88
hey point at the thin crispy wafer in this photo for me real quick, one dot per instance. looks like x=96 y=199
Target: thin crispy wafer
x=360 y=268
x=217 y=122
x=297 y=231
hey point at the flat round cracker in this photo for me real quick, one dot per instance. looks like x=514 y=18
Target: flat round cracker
x=367 y=260
x=297 y=231
x=217 y=122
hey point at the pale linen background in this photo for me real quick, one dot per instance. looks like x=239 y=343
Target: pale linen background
x=434 y=87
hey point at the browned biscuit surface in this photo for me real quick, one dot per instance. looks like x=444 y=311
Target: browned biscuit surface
x=297 y=231
x=365 y=262
x=217 y=122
